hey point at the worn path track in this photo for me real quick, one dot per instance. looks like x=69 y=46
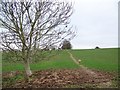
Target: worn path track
x=88 y=71
x=61 y=78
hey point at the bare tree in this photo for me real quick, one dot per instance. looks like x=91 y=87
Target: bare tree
x=31 y=25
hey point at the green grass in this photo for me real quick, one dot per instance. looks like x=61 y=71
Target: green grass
x=102 y=59
x=57 y=62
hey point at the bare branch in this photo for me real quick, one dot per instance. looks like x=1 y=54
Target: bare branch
x=34 y=25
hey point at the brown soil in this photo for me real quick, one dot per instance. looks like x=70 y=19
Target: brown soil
x=61 y=78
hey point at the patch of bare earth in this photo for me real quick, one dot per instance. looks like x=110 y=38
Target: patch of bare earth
x=63 y=78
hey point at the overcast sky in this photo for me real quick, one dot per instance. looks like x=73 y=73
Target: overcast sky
x=96 y=22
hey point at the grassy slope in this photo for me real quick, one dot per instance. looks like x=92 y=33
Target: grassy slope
x=60 y=61
x=103 y=59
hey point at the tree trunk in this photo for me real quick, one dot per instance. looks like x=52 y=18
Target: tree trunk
x=27 y=70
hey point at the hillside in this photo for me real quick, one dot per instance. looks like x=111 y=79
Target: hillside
x=103 y=59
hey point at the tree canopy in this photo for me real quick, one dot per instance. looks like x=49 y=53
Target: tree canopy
x=66 y=45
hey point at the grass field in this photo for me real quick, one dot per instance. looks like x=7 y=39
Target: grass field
x=57 y=62
x=103 y=59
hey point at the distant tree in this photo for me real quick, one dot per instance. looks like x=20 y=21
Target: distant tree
x=96 y=47
x=66 y=44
